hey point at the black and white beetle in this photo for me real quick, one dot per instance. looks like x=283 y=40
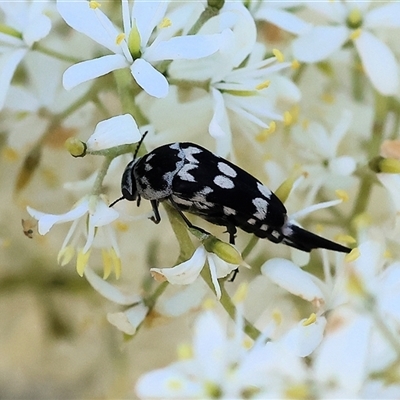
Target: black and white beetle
x=195 y=180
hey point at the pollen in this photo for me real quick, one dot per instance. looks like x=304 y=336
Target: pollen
x=120 y=38
x=94 y=4
x=9 y=154
x=107 y=263
x=241 y=293
x=355 y=34
x=295 y=64
x=185 y=352
x=287 y=118
x=299 y=392
x=81 y=261
x=165 y=23
x=263 y=85
x=355 y=285
x=278 y=54
x=348 y=239
x=305 y=124
x=328 y=98
x=263 y=135
x=353 y=255
x=65 y=255
x=174 y=384
x=209 y=304
x=310 y=320
x=387 y=254
x=342 y=194
x=121 y=226
x=277 y=316
x=362 y=221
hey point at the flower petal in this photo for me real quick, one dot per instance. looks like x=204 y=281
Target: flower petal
x=149 y=79
x=46 y=221
x=37 y=30
x=129 y=320
x=91 y=22
x=147 y=15
x=219 y=127
x=8 y=64
x=90 y=69
x=283 y=19
x=113 y=132
x=342 y=355
x=319 y=43
x=293 y=279
x=386 y=16
x=379 y=63
x=303 y=339
x=186 y=272
x=109 y=291
x=103 y=215
x=184 y=47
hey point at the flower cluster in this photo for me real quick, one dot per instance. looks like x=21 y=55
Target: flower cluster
x=305 y=96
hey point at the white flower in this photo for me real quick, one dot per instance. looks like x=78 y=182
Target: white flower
x=97 y=215
x=353 y=20
x=188 y=271
x=234 y=87
x=391 y=182
x=126 y=321
x=24 y=24
x=222 y=366
x=37 y=100
x=136 y=48
x=112 y=132
x=319 y=149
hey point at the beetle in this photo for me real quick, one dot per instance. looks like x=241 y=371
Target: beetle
x=194 y=180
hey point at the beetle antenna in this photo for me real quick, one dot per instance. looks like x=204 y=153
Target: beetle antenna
x=139 y=144
x=116 y=201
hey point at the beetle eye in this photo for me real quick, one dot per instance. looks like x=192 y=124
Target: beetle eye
x=128 y=183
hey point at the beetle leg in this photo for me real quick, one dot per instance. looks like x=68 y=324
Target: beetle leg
x=183 y=216
x=156 y=217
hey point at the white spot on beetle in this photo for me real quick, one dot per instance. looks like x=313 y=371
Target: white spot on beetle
x=175 y=146
x=189 y=154
x=251 y=221
x=206 y=190
x=184 y=173
x=229 y=211
x=224 y=182
x=226 y=169
x=149 y=157
x=182 y=202
x=264 y=190
x=261 y=208
x=264 y=227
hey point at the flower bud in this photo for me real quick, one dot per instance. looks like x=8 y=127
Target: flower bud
x=385 y=165
x=223 y=250
x=76 y=147
x=134 y=41
x=218 y=4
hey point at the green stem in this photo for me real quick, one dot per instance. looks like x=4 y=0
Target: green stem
x=382 y=104
x=382 y=326
x=250 y=246
x=128 y=89
x=227 y=303
x=208 y=13
x=186 y=251
x=55 y=54
x=357 y=78
x=98 y=184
